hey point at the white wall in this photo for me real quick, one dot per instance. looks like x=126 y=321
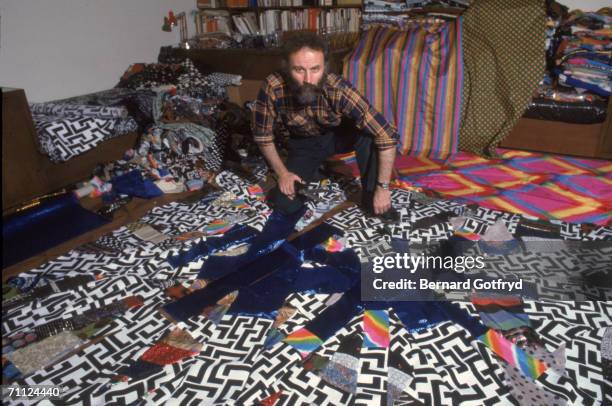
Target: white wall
x=586 y=5
x=61 y=48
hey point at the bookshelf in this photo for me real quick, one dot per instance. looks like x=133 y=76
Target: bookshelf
x=271 y=17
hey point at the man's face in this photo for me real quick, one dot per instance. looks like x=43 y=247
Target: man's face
x=307 y=69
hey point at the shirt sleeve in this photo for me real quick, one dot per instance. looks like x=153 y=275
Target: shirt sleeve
x=352 y=104
x=264 y=116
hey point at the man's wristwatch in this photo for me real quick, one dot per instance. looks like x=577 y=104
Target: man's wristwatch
x=384 y=185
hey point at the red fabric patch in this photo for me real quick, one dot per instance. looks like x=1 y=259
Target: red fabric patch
x=163 y=354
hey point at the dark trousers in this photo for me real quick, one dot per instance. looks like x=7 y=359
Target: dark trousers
x=307 y=154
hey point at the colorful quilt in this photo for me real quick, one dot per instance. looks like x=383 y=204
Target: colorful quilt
x=548 y=186
x=139 y=357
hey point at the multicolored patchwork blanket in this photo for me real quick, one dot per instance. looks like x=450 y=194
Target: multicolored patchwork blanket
x=547 y=186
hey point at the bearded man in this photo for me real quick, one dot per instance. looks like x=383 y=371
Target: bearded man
x=323 y=115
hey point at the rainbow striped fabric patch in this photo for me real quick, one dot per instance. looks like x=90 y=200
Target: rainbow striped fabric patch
x=375 y=329
x=513 y=355
x=218 y=226
x=332 y=244
x=256 y=191
x=304 y=341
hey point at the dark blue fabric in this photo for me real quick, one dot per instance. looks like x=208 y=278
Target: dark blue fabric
x=49 y=224
x=236 y=274
x=132 y=184
x=337 y=315
x=315 y=236
x=193 y=304
x=346 y=260
x=140 y=369
x=239 y=234
x=419 y=315
x=277 y=229
x=265 y=297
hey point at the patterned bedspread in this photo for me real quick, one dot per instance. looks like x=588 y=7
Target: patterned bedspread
x=71 y=127
x=233 y=358
x=546 y=186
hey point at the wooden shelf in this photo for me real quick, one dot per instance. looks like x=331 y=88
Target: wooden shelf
x=243 y=9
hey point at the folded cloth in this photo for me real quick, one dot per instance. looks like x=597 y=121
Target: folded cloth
x=78 y=110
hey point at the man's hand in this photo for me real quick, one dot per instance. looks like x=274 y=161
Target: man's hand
x=382 y=200
x=286 y=184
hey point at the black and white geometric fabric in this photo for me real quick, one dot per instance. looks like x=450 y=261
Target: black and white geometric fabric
x=62 y=137
x=443 y=363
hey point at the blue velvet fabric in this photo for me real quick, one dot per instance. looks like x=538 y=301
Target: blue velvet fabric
x=337 y=315
x=194 y=303
x=277 y=229
x=265 y=282
x=265 y=297
x=239 y=234
x=416 y=316
x=132 y=184
x=49 y=224
x=237 y=275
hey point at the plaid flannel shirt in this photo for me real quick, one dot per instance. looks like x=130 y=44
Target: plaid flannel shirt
x=275 y=109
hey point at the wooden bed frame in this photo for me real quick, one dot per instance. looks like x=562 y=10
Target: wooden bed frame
x=27 y=173
x=586 y=140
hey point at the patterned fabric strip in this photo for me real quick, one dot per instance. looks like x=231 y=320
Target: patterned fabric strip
x=376 y=329
x=332 y=245
x=512 y=354
x=218 y=226
x=414 y=77
x=304 y=341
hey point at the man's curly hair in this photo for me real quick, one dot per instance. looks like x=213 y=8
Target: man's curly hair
x=304 y=39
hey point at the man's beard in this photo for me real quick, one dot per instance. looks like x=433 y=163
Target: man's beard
x=306 y=93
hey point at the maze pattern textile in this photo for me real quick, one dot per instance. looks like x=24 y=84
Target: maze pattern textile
x=64 y=137
x=442 y=364
x=414 y=77
x=546 y=186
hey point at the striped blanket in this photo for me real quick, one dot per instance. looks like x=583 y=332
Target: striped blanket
x=414 y=77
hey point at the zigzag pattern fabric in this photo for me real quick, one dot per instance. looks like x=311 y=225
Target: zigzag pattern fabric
x=415 y=78
x=540 y=185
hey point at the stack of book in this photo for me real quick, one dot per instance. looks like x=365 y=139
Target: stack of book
x=214 y=21
x=203 y=4
x=246 y=23
x=314 y=19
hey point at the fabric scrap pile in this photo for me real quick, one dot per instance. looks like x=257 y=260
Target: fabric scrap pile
x=584 y=56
